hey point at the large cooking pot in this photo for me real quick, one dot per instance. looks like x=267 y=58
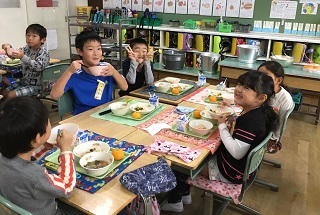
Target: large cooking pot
x=173 y=60
x=209 y=62
x=248 y=53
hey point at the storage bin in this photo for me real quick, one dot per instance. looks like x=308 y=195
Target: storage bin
x=224 y=27
x=245 y=28
x=208 y=23
x=189 y=24
x=84 y=11
x=150 y=22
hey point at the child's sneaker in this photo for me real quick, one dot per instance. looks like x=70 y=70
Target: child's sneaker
x=173 y=207
x=187 y=200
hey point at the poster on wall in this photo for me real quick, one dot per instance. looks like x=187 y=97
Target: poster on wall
x=308 y=1
x=126 y=3
x=194 y=7
x=137 y=5
x=309 y=8
x=147 y=4
x=9 y=3
x=283 y=9
x=206 y=7
x=170 y=6
x=182 y=6
x=158 y=5
x=233 y=7
x=111 y=3
x=246 y=8
x=47 y=3
x=219 y=8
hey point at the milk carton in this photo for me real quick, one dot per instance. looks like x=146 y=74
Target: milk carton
x=183 y=123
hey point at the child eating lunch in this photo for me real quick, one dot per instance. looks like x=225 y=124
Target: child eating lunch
x=137 y=68
x=25 y=128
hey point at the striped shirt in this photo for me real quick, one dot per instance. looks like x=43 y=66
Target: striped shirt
x=251 y=129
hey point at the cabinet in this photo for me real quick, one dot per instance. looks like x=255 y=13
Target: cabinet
x=115 y=32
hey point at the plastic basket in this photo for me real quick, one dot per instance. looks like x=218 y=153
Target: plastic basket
x=245 y=28
x=189 y=24
x=150 y=22
x=224 y=27
x=297 y=96
x=83 y=11
x=208 y=23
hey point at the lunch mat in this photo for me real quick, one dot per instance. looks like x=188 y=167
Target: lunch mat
x=147 y=90
x=92 y=185
x=131 y=122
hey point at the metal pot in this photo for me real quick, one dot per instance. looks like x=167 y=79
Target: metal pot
x=248 y=53
x=209 y=62
x=174 y=23
x=173 y=60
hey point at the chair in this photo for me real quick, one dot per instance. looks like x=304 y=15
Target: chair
x=253 y=162
x=8 y=208
x=65 y=103
x=272 y=186
x=49 y=75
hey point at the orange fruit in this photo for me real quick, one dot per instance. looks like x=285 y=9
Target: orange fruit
x=212 y=98
x=136 y=115
x=118 y=154
x=175 y=90
x=196 y=114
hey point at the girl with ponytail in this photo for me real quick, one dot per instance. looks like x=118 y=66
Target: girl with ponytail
x=253 y=93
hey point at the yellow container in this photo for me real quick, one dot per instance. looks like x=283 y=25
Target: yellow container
x=180 y=41
x=199 y=43
x=84 y=10
x=167 y=39
x=277 y=48
x=234 y=46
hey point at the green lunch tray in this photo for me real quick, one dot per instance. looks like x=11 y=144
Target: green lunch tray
x=143 y=116
x=53 y=164
x=218 y=100
x=169 y=91
x=190 y=132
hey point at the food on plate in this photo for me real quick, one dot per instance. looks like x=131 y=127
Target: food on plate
x=200 y=126
x=118 y=154
x=175 y=90
x=136 y=115
x=137 y=108
x=96 y=164
x=196 y=114
x=218 y=112
x=213 y=98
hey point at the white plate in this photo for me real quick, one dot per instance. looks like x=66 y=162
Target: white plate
x=172 y=80
x=205 y=114
x=230 y=89
x=142 y=108
x=216 y=93
x=181 y=86
x=216 y=110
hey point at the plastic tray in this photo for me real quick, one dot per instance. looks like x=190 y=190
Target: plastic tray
x=181 y=91
x=224 y=27
x=190 y=132
x=53 y=164
x=218 y=100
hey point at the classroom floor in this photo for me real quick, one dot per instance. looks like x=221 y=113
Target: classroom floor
x=298 y=178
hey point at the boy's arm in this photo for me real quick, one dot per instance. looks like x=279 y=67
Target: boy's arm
x=148 y=72
x=42 y=60
x=121 y=81
x=132 y=72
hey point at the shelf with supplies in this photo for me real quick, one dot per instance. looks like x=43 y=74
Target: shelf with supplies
x=116 y=32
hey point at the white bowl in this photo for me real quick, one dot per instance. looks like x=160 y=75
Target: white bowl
x=11 y=51
x=88 y=147
x=119 y=108
x=229 y=98
x=215 y=110
x=181 y=86
x=142 y=108
x=196 y=126
x=217 y=93
x=162 y=86
x=72 y=128
x=205 y=114
x=96 y=70
x=96 y=156
x=230 y=90
x=172 y=80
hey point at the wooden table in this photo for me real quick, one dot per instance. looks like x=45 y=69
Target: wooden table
x=163 y=100
x=295 y=77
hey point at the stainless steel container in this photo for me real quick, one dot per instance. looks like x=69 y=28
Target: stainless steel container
x=173 y=60
x=248 y=53
x=209 y=62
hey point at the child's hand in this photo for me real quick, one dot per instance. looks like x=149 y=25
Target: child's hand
x=75 y=66
x=149 y=55
x=220 y=119
x=224 y=104
x=131 y=54
x=18 y=55
x=109 y=70
x=64 y=140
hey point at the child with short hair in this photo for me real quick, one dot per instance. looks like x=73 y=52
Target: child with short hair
x=35 y=58
x=83 y=84
x=281 y=102
x=25 y=127
x=137 y=68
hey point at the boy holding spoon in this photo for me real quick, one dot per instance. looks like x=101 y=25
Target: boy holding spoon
x=137 y=68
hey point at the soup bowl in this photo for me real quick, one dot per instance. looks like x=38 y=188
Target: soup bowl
x=96 y=163
x=119 y=108
x=200 y=126
x=72 y=128
x=87 y=147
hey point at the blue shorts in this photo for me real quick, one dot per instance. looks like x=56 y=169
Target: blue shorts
x=23 y=90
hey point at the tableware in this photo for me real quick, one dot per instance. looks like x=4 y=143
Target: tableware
x=216 y=110
x=162 y=86
x=217 y=93
x=230 y=89
x=11 y=51
x=95 y=157
x=284 y=60
x=119 y=108
x=181 y=86
x=229 y=98
x=143 y=116
x=13 y=61
x=105 y=112
x=200 y=126
x=191 y=133
x=172 y=80
x=143 y=108
x=96 y=70
x=72 y=128
x=88 y=147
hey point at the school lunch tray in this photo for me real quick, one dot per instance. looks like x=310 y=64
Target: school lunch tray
x=53 y=164
x=143 y=116
x=170 y=90
x=216 y=102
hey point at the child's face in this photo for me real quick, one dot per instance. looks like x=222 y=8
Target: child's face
x=246 y=97
x=141 y=50
x=33 y=40
x=277 y=81
x=91 y=53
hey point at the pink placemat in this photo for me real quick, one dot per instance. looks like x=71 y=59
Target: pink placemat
x=169 y=116
x=198 y=97
x=194 y=93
